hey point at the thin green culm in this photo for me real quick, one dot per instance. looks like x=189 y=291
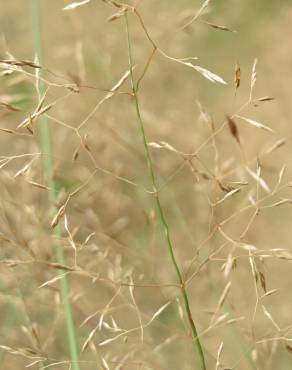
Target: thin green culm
x=163 y=222
x=48 y=169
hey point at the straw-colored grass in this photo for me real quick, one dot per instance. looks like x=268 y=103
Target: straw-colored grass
x=145 y=185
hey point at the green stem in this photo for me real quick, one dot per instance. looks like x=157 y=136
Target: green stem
x=164 y=224
x=48 y=168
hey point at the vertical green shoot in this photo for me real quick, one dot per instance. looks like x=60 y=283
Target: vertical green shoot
x=48 y=169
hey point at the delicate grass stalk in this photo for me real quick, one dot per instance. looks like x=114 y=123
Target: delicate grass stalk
x=48 y=168
x=164 y=224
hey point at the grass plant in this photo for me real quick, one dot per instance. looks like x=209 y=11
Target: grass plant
x=145 y=207
x=52 y=192
x=163 y=221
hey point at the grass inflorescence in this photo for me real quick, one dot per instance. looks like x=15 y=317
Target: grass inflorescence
x=146 y=187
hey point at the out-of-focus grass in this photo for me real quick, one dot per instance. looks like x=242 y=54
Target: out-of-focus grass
x=127 y=245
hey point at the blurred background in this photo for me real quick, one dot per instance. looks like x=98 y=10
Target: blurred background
x=226 y=193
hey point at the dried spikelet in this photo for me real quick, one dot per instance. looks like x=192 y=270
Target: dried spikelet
x=37 y=185
x=75 y=4
x=88 y=339
x=264 y=98
x=20 y=63
x=104 y=364
x=88 y=318
x=29 y=125
x=253 y=267
x=199 y=12
x=113 y=329
x=53 y=280
x=75 y=155
x=217 y=27
x=121 y=81
x=237 y=76
x=204 y=175
x=232 y=321
x=6 y=72
x=58 y=215
x=180 y=309
x=203 y=8
x=107 y=341
x=70 y=237
x=117 y=15
x=204 y=115
x=85 y=143
x=7 y=130
x=224 y=187
x=233 y=129
x=87 y=239
x=278 y=144
x=279 y=203
x=158 y=312
x=228 y=266
x=270 y=292
x=115 y=3
x=219 y=352
x=24 y=169
x=221 y=318
x=253 y=78
x=255 y=123
x=36 y=362
x=229 y=194
x=164 y=145
x=203 y=71
x=269 y=316
x=59 y=266
x=259 y=179
x=32 y=117
x=115 y=326
x=25 y=352
x=224 y=295
x=10 y=263
x=207 y=74
x=73 y=88
x=263 y=281
x=9 y=107
x=35 y=332
x=221 y=302
x=280 y=178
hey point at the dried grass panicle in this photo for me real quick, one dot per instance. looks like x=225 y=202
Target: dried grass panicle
x=216 y=295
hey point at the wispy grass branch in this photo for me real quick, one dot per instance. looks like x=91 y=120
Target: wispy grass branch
x=163 y=221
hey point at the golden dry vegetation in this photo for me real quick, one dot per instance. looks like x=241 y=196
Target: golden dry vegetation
x=98 y=223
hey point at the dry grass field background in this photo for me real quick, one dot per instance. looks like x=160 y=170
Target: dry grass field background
x=87 y=276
